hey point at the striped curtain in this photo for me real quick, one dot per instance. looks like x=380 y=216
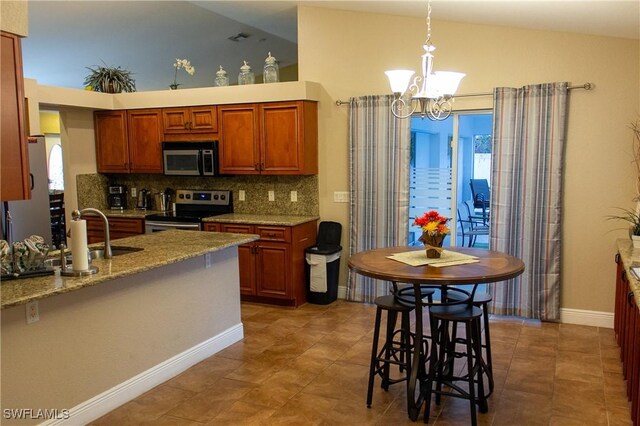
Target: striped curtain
x=526 y=208
x=379 y=183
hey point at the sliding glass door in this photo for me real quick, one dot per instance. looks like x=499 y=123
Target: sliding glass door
x=445 y=156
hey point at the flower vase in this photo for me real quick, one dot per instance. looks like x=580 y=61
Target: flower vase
x=174 y=86
x=432 y=244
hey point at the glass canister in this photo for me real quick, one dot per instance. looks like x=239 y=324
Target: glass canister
x=221 y=77
x=246 y=76
x=271 y=74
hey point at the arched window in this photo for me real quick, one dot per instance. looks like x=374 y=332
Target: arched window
x=56 y=174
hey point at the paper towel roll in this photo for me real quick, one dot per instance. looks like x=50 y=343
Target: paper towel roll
x=79 y=248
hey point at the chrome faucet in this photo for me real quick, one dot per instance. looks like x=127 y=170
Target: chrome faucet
x=108 y=254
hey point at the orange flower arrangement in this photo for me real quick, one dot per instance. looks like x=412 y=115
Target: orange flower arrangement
x=432 y=223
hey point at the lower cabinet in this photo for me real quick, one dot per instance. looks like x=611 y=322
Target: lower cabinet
x=118 y=228
x=272 y=268
x=627 y=330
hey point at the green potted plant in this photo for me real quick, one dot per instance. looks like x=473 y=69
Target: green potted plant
x=633 y=216
x=110 y=80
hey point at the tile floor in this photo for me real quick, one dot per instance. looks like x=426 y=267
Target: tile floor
x=309 y=366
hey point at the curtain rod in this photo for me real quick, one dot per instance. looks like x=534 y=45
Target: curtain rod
x=585 y=86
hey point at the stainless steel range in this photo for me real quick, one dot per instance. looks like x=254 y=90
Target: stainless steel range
x=191 y=206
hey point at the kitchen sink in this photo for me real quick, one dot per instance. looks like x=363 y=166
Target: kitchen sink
x=96 y=253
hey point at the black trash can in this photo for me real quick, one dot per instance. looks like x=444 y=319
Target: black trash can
x=322 y=264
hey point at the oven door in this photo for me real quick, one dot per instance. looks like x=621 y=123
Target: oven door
x=157 y=226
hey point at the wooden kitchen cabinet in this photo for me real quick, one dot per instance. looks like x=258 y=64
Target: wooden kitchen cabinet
x=276 y=138
x=14 y=155
x=129 y=141
x=627 y=331
x=238 y=151
x=272 y=268
x=119 y=227
x=190 y=123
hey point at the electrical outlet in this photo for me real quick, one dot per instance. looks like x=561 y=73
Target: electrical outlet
x=33 y=313
x=294 y=196
x=134 y=192
x=208 y=258
x=272 y=195
x=241 y=195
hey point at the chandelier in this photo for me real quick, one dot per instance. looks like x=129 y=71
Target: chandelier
x=431 y=93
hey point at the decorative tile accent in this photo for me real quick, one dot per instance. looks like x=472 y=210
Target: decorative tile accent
x=92 y=190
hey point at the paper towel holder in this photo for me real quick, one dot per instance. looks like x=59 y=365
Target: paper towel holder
x=68 y=271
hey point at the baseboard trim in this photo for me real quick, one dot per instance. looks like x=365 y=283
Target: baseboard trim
x=109 y=400
x=582 y=317
x=342 y=292
x=567 y=316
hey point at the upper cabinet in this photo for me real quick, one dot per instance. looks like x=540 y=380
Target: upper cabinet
x=129 y=141
x=190 y=123
x=277 y=138
x=14 y=156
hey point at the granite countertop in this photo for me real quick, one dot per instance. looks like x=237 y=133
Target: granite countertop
x=159 y=249
x=261 y=219
x=129 y=213
x=630 y=257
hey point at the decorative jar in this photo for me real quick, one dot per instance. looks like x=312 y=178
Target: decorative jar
x=271 y=72
x=221 y=77
x=246 y=76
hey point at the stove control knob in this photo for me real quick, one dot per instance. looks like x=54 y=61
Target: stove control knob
x=223 y=197
x=188 y=196
x=181 y=196
x=215 y=197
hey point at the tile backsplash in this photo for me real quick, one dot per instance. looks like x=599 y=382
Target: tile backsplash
x=92 y=190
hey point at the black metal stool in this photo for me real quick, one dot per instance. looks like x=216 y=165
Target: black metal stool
x=443 y=353
x=397 y=346
x=481 y=300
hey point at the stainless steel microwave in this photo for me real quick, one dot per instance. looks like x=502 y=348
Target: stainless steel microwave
x=190 y=158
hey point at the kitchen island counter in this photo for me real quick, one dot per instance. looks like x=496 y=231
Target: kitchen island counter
x=159 y=249
x=261 y=219
x=146 y=317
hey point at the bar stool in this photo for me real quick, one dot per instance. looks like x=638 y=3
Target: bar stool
x=397 y=346
x=481 y=300
x=443 y=353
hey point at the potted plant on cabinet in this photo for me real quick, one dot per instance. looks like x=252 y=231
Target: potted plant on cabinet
x=633 y=216
x=110 y=80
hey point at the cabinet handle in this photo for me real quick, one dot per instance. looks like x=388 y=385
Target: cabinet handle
x=257 y=166
x=617 y=258
x=189 y=125
x=630 y=298
x=623 y=276
x=261 y=166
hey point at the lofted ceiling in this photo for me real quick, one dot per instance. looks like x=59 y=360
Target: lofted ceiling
x=146 y=37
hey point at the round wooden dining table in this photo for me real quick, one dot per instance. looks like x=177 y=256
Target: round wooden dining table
x=492 y=266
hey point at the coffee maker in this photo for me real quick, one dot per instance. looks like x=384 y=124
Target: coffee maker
x=117 y=197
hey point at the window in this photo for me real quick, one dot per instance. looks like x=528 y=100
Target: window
x=56 y=174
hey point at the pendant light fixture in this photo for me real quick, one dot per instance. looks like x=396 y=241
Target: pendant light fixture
x=431 y=93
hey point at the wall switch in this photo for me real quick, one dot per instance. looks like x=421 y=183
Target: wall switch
x=241 y=195
x=33 y=313
x=134 y=192
x=294 y=196
x=340 y=197
x=208 y=259
x=272 y=195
